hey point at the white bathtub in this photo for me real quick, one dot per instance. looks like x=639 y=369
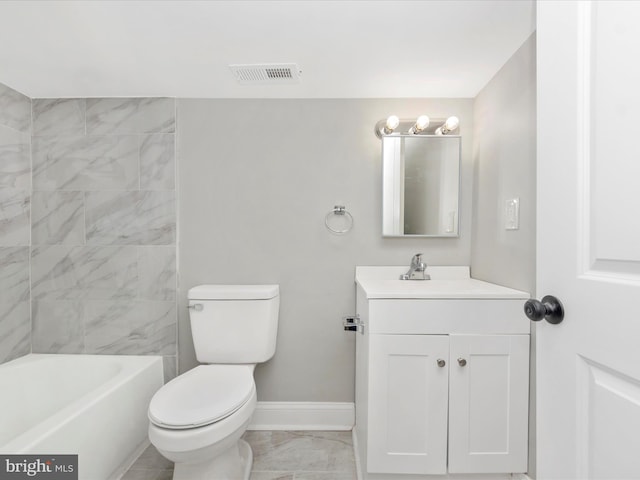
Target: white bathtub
x=91 y=405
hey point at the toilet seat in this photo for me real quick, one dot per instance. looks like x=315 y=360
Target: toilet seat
x=202 y=396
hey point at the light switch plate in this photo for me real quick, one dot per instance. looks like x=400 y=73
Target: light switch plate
x=512 y=214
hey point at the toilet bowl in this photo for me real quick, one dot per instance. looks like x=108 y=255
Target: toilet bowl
x=198 y=418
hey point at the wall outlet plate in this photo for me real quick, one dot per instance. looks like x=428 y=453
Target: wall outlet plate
x=512 y=214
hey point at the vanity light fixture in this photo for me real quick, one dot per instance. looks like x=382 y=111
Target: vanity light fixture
x=448 y=126
x=422 y=122
x=394 y=126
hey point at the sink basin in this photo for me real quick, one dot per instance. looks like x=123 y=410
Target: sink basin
x=446 y=282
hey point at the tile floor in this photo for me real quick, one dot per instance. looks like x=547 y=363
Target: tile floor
x=277 y=455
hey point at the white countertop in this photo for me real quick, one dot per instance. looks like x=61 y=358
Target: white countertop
x=446 y=282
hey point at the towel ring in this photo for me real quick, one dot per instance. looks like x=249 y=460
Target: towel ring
x=345 y=218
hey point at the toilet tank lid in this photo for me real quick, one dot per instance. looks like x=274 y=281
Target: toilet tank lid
x=233 y=292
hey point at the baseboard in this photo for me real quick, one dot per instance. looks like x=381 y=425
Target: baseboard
x=521 y=476
x=303 y=416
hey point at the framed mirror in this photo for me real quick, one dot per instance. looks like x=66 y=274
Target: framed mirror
x=420 y=185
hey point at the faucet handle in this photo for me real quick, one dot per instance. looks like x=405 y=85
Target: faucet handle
x=417 y=260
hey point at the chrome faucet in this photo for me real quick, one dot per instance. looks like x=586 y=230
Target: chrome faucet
x=416 y=270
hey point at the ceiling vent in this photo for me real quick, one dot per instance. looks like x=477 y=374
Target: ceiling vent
x=268 y=73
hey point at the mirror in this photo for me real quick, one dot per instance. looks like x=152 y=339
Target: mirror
x=420 y=184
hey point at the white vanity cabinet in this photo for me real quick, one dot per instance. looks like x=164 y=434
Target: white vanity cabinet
x=442 y=377
x=408 y=404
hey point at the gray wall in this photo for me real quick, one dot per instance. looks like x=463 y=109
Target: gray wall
x=504 y=156
x=15 y=189
x=256 y=179
x=505 y=167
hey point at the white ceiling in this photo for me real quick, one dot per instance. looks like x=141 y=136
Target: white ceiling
x=346 y=49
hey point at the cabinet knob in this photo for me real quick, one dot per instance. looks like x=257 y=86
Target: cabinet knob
x=441 y=363
x=462 y=362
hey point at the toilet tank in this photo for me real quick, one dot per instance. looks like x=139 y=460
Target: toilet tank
x=234 y=323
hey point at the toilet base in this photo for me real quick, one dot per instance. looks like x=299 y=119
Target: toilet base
x=233 y=464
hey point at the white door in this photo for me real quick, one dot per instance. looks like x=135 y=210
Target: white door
x=488 y=403
x=588 y=388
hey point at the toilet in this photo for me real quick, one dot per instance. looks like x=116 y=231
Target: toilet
x=197 y=419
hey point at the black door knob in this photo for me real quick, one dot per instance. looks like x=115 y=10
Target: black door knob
x=550 y=308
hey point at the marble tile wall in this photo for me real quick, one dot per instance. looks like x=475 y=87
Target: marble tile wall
x=15 y=205
x=87 y=226
x=103 y=227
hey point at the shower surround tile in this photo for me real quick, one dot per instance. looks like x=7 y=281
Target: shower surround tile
x=89 y=273
x=14 y=275
x=15 y=321
x=59 y=116
x=15 y=324
x=57 y=327
x=85 y=163
x=106 y=327
x=157 y=162
x=57 y=217
x=127 y=328
x=157 y=273
x=131 y=218
x=15 y=109
x=87 y=226
x=14 y=217
x=107 y=116
x=103 y=273
x=15 y=158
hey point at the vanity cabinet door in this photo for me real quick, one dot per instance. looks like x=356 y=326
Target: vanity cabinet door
x=408 y=389
x=488 y=403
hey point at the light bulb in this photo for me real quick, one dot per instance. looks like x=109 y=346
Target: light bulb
x=438 y=131
x=451 y=123
x=392 y=122
x=422 y=122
